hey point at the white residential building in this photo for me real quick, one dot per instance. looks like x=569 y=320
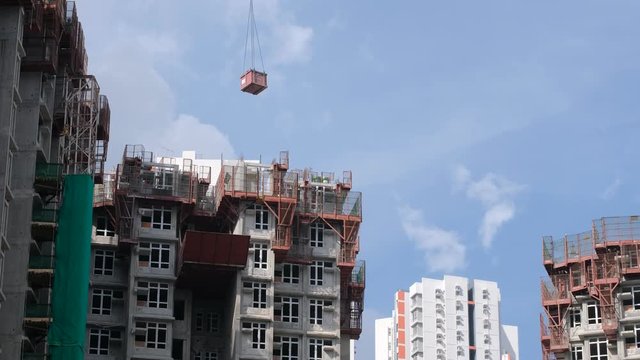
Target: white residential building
x=453 y=318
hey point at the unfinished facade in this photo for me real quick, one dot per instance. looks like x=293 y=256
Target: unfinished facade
x=591 y=298
x=210 y=259
x=54 y=123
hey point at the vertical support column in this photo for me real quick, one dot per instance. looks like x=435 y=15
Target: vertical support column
x=14 y=118
x=73 y=254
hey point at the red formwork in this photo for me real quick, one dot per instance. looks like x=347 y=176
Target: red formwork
x=215 y=248
x=253 y=82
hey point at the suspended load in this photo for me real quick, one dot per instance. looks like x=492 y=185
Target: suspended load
x=252 y=81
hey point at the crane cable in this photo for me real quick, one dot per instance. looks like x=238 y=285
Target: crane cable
x=252 y=35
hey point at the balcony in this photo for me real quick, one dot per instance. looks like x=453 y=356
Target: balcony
x=44 y=216
x=48 y=177
x=345 y=205
x=41 y=55
x=34 y=356
x=41 y=271
x=41 y=262
x=37 y=315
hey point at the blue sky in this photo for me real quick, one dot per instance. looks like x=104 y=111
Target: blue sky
x=472 y=127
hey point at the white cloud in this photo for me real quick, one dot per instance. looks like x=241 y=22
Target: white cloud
x=190 y=133
x=295 y=43
x=443 y=249
x=611 y=190
x=143 y=104
x=288 y=41
x=495 y=193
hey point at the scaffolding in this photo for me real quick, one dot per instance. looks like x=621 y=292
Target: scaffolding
x=81 y=119
x=139 y=177
x=588 y=265
x=297 y=199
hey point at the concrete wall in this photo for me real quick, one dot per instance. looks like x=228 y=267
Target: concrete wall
x=383 y=338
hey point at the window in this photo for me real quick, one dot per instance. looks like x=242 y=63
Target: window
x=262 y=218
x=99 y=342
x=260 y=252
x=258 y=334
x=14 y=115
x=598 y=349
x=576 y=352
x=153 y=295
x=156 y=217
x=593 y=313
x=291 y=274
x=101 y=302
x=317 y=234
x=9 y=168
x=178 y=309
x=316 y=310
x=103 y=262
x=104 y=227
x=288 y=349
x=4 y=222
x=154 y=255
x=259 y=294
x=164 y=179
x=635 y=292
x=151 y=335
x=208 y=322
x=208 y=355
x=287 y=309
x=485 y=294
x=316 y=275
x=574 y=317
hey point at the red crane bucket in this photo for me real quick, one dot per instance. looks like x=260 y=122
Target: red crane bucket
x=253 y=82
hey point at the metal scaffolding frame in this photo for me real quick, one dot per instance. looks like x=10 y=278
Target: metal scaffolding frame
x=81 y=120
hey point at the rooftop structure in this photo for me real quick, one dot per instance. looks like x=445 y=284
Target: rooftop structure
x=249 y=260
x=589 y=296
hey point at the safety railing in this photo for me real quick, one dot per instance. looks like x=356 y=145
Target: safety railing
x=348 y=253
x=248 y=180
x=41 y=262
x=47 y=172
x=325 y=202
x=138 y=153
x=358 y=275
x=617 y=229
x=555 y=289
x=43 y=215
x=37 y=311
x=41 y=54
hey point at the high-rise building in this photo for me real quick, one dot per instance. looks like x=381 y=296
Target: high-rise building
x=210 y=259
x=453 y=318
x=591 y=298
x=54 y=124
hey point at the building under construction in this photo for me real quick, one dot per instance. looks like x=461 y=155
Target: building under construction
x=591 y=298
x=54 y=130
x=210 y=259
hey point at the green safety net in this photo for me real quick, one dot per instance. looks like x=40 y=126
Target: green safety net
x=71 y=278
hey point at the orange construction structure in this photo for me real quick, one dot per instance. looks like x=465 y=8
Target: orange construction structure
x=585 y=296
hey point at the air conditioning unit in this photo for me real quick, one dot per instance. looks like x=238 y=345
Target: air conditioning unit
x=145 y=212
